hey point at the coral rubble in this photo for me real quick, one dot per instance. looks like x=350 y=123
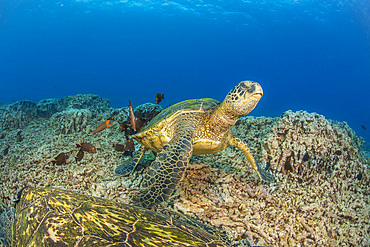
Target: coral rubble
x=321 y=195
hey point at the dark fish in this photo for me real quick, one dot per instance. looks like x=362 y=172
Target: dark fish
x=119 y=147
x=123 y=126
x=79 y=155
x=159 y=97
x=139 y=124
x=130 y=148
x=146 y=116
x=87 y=147
x=61 y=159
x=363 y=126
x=19 y=136
x=132 y=116
x=103 y=126
x=126 y=127
x=6 y=150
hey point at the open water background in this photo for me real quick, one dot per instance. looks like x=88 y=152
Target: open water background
x=307 y=55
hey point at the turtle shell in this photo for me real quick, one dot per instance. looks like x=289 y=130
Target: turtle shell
x=55 y=217
x=155 y=124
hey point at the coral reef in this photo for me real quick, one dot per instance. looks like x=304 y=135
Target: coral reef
x=304 y=143
x=86 y=101
x=320 y=197
x=18 y=115
x=70 y=121
x=21 y=113
x=148 y=107
x=47 y=107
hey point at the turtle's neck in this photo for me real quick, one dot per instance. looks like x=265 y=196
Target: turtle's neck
x=222 y=118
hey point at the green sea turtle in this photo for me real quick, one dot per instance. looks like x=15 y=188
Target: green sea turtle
x=55 y=217
x=196 y=126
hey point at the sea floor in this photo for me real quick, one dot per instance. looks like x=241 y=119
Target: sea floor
x=320 y=196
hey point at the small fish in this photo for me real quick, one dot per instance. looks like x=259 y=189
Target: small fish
x=363 y=126
x=79 y=155
x=132 y=116
x=123 y=126
x=159 y=97
x=103 y=126
x=130 y=148
x=61 y=159
x=139 y=123
x=87 y=147
x=19 y=136
x=6 y=150
x=119 y=147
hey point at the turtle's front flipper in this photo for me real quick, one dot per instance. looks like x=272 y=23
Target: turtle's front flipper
x=167 y=170
x=242 y=145
x=129 y=165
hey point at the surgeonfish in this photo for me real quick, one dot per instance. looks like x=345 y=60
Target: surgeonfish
x=119 y=147
x=139 y=124
x=159 y=97
x=123 y=126
x=130 y=148
x=61 y=159
x=87 y=147
x=132 y=116
x=103 y=126
x=79 y=155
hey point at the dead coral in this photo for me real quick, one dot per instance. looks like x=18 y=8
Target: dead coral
x=305 y=144
x=70 y=121
x=331 y=208
x=18 y=115
x=92 y=102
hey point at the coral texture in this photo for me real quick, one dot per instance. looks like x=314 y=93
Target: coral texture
x=148 y=107
x=70 y=121
x=21 y=113
x=320 y=197
x=18 y=115
x=92 y=102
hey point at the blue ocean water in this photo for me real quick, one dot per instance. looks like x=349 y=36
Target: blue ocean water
x=307 y=55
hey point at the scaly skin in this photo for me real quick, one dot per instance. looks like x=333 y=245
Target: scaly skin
x=55 y=217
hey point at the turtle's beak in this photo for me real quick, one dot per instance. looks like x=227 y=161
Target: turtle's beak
x=254 y=90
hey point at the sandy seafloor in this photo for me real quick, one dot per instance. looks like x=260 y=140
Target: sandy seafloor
x=320 y=196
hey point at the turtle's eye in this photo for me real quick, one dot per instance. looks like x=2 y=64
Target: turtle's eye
x=243 y=86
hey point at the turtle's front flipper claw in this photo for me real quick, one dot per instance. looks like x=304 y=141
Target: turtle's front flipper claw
x=129 y=165
x=265 y=175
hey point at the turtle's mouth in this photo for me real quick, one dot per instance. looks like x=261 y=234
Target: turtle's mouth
x=256 y=96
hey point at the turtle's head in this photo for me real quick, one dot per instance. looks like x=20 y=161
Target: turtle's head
x=242 y=99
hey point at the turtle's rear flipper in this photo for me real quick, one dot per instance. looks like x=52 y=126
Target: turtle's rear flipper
x=266 y=176
x=129 y=165
x=243 y=146
x=167 y=170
